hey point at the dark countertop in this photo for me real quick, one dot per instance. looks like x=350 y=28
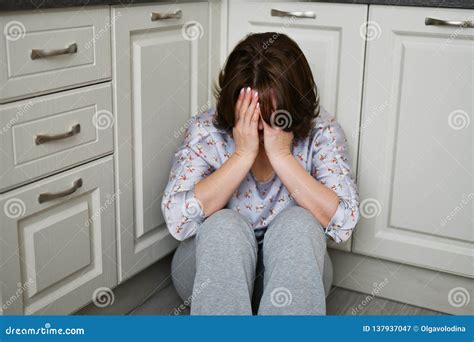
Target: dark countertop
x=11 y=5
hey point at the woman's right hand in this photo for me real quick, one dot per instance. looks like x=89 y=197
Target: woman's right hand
x=245 y=131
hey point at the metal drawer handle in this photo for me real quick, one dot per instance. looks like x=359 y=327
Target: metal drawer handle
x=296 y=14
x=441 y=22
x=38 y=53
x=160 y=16
x=44 y=138
x=49 y=196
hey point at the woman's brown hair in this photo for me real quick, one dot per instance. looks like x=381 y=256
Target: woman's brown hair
x=274 y=65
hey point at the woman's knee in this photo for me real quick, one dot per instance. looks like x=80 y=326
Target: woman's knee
x=224 y=222
x=296 y=223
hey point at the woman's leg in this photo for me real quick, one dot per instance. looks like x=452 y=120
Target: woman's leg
x=225 y=251
x=294 y=253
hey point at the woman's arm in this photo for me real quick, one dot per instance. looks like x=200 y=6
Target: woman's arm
x=215 y=191
x=310 y=194
x=329 y=192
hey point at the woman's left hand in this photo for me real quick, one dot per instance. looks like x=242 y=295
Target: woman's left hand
x=276 y=141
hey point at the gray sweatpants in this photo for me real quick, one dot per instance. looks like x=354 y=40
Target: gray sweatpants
x=217 y=270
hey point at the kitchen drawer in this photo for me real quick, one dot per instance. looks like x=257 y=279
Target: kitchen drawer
x=58 y=248
x=79 y=122
x=78 y=43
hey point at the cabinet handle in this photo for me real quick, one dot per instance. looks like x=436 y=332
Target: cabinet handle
x=38 y=53
x=296 y=14
x=49 y=196
x=160 y=16
x=441 y=22
x=44 y=138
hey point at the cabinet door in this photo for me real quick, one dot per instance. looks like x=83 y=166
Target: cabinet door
x=331 y=42
x=57 y=241
x=416 y=161
x=160 y=79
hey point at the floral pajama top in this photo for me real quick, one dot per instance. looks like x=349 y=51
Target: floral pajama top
x=324 y=154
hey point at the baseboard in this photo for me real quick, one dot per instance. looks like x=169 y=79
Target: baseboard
x=425 y=288
x=134 y=291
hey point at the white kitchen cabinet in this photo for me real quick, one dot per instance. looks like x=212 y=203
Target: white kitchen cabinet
x=50 y=133
x=332 y=42
x=57 y=241
x=53 y=50
x=160 y=77
x=416 y=161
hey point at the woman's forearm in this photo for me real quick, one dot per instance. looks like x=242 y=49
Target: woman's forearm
x=310 y=194
x=216 y=190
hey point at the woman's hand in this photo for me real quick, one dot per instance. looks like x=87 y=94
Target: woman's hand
x=277 y=142
x=245 y=131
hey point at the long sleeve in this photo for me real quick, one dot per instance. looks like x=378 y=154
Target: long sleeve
x=181 y=209
x=330 y=166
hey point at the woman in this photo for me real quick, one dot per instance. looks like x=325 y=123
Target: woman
x=256 y=188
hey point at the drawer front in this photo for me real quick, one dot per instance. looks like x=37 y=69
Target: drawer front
x=57 y=241
x=53 y=50
x=52 y=132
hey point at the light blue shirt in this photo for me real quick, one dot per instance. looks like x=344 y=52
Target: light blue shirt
x=324 y=154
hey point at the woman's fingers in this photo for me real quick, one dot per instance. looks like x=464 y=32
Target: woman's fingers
x=255 y=116
x=251 y=109
x=238 y=104
x=247 y=97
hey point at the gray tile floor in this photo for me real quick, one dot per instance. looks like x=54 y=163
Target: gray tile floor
x=339 y=302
